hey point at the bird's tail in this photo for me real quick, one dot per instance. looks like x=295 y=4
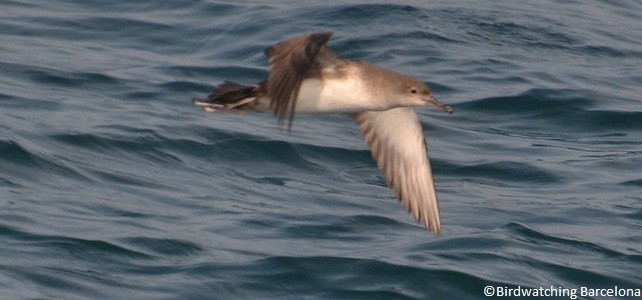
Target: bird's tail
x=230 y=96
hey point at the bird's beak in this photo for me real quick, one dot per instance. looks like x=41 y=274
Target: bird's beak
x=434 y=102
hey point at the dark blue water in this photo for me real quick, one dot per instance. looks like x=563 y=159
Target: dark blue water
x=114 y=186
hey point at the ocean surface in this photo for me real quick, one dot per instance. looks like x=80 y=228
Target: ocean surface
x=113 y=185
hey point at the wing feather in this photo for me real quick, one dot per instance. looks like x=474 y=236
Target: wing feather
x=396 y=139
x=291 y=61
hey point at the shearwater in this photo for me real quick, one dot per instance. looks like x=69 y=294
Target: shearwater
x=306 y=76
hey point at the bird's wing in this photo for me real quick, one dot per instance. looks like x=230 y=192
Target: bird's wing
x=291 y=61
x=398 y=145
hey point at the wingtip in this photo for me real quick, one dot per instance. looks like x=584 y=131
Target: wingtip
x=320 y=37
x=434 y=226
x=316 y=38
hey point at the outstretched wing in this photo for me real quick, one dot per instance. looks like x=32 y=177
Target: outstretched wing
x=291 y=61
x=396 y=139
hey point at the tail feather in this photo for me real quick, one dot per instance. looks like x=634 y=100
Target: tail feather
x=229 y=95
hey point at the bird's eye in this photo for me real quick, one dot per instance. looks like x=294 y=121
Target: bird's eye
x=413 y=90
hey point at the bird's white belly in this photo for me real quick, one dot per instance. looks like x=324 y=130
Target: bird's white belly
x=334 y=95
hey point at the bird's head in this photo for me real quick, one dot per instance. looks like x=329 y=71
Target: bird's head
x=417 y=93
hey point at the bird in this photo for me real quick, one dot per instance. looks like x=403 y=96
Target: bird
x=306 y=76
